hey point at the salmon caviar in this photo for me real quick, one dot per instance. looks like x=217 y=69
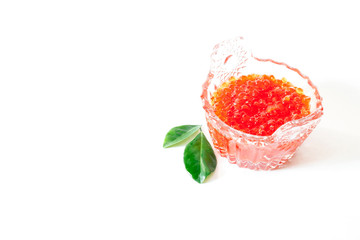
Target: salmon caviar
x=259 y=104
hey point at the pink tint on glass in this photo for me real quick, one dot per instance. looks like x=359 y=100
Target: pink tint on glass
x=233 y=58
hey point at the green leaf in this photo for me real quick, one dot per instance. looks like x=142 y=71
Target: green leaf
x=199 y=158
x=179 y=134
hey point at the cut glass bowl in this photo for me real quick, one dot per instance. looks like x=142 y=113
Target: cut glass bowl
x=233 y=58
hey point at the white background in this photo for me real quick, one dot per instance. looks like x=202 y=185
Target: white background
x=88 y=90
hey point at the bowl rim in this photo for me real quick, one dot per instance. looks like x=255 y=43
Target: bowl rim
x=232 y=132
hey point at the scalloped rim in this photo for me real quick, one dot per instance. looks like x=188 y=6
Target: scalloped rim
x=298 y=122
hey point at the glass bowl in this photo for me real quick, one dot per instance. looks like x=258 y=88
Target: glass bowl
x=233 y=58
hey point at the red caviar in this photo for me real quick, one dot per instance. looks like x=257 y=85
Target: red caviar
x=259 y=104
